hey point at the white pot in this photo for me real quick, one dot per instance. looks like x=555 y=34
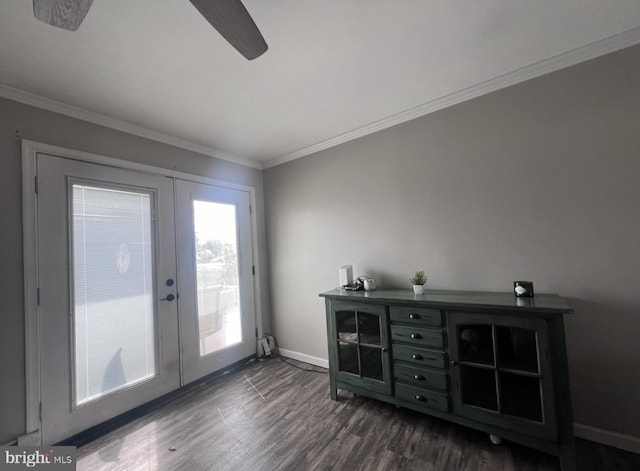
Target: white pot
x=418 y=289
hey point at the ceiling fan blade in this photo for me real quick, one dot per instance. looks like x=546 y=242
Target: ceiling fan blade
x=233 y=22
x=65 y=14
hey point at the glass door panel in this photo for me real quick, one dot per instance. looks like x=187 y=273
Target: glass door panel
x=369 y=328
x=113 y=305
x=521 y=396
x=346 y=321
x=348 y=358
x=218 y=304
x=517 y=348
x=476 y=343
x=478 y=387
x=215 y=273
x=371 y=359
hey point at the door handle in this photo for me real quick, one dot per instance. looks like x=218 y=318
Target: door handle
x=170 y=297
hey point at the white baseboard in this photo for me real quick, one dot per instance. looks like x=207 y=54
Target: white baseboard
x=304 y=357
x=606 y=437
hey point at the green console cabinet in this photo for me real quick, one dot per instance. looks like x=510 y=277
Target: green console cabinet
x=489 y=361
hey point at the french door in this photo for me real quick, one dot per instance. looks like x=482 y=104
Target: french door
x=214 y=248
x=126 y=314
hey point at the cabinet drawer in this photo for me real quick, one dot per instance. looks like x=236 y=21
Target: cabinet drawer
x=416 y=315
x=416 y=336
x=421 y=377
x=421 y=397
x=418 y=356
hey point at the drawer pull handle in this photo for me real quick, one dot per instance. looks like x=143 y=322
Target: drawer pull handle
x=416 y=356
x=418 y=377
x=421 y=398
x=415 y=336
x=414 y=316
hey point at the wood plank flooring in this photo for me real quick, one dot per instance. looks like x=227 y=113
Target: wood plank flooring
x=272 y=416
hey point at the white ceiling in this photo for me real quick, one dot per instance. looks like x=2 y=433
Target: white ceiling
x=335 y=69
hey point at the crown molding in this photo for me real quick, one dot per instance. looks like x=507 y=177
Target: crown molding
x=48 y=104
x=575 y=56
x=561 y=61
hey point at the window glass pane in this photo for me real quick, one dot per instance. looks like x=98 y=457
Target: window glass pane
x=218 y=292
x=371 y=362
x=369 y=328
x=348 y=357
x=113 y=307
x=346 y=324
x=521 y=396
x=478 y=387
x=517 y=348
x=476 y=343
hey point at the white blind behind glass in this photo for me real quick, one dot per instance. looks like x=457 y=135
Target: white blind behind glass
x=113 y=311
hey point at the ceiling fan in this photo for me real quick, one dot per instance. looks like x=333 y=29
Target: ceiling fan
x=229 y=17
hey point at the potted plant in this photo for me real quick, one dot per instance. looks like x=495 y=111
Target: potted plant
x=418 y=280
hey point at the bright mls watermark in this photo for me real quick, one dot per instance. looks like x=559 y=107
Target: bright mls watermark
x=51 y=458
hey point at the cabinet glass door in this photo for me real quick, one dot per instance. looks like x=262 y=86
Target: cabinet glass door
x=501 y=371
x=362 y=345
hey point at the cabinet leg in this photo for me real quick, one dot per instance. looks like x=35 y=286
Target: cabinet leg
x=496 y=440
x=333 y=388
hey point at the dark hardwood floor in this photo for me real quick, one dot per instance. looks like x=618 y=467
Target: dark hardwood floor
x=272 y=416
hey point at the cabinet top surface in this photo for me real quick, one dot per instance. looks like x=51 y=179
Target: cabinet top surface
x=550 y=303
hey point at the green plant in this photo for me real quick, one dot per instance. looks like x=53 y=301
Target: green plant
x=418 y=279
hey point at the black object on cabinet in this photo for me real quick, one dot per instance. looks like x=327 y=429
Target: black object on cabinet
x=484 y=360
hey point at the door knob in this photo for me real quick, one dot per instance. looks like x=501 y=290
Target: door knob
x=170 y=297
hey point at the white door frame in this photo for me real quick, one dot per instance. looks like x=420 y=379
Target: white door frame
x=29 y=213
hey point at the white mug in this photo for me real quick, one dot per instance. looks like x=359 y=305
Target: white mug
x=369 y=284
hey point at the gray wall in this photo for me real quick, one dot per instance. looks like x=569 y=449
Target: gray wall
x=539 y=181
x=51 y=128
